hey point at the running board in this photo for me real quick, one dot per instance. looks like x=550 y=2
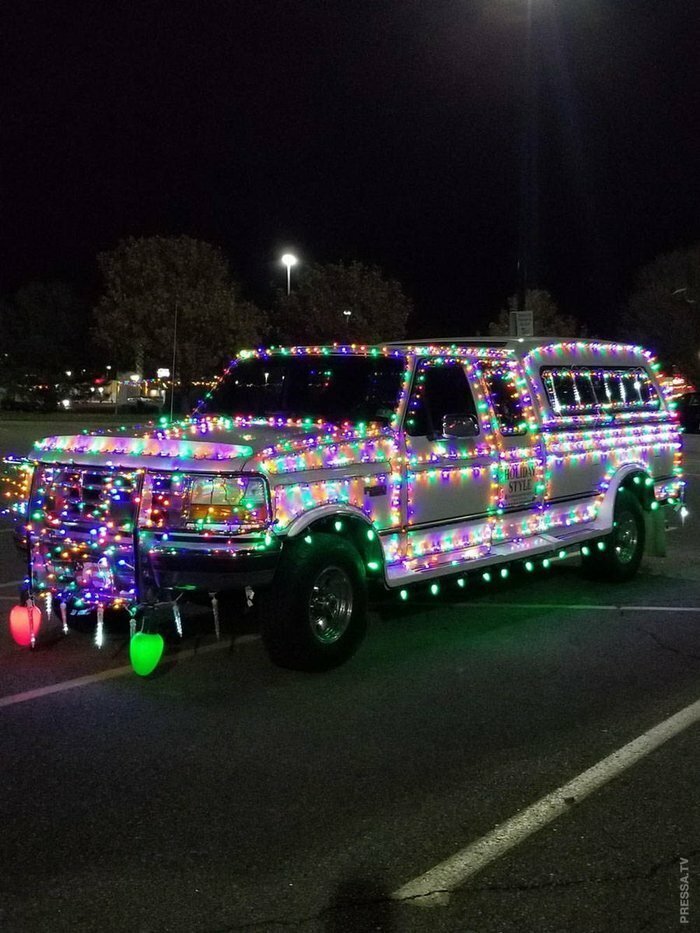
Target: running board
x=401 y=573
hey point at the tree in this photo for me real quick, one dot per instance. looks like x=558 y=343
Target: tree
x=150 y=280
x=38 y=328
x=343 y=302
x=663 y=311
x=547 y=319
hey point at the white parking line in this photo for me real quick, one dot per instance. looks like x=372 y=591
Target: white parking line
x=14 y=698
x=588 y=607
x=433 y=888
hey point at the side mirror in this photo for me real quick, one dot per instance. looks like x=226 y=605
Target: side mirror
x=460 y=426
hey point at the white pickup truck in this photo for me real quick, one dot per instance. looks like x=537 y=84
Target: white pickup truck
x=309 y=475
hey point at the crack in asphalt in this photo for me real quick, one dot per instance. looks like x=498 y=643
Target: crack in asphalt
x=347 y=905
x=665 y=646
x=341 y=906
x=645 y=875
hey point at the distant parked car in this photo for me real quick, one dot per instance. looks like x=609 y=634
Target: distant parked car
x=689 y=411
x=29 y=398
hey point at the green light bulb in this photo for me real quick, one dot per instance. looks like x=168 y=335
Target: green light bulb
x=145 y=651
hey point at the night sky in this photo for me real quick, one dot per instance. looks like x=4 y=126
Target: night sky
x=388 y=131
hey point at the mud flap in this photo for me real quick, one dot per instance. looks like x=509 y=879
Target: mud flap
x=655 y=522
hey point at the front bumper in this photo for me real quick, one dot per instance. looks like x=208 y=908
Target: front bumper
x=211 y=566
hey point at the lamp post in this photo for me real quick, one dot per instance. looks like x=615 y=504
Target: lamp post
x=289 y=260
x=528 y=166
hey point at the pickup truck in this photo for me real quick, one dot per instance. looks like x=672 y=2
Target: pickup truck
x=311 y=477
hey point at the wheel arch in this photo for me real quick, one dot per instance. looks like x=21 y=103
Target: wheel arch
x=348 y=523
x=634 y=477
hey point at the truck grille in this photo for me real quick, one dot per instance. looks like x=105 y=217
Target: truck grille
x=81 y=533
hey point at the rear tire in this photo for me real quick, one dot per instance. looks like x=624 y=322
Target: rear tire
x=623 y=549
x=315 y=614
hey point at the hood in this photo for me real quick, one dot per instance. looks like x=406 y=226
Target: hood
x=200 y=444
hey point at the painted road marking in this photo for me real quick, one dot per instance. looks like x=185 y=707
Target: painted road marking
x=588 y=607
x=15 y=698
x=433 y=888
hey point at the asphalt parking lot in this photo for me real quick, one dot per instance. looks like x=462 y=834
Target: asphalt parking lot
x=225 y=794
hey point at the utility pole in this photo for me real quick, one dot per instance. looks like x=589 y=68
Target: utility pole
x=172 y=371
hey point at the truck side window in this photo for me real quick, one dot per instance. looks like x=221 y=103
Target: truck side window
x=505 y=399
x=438 y=390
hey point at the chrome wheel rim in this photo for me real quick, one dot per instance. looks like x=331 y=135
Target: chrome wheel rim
x=330 y=605
x=626 y=537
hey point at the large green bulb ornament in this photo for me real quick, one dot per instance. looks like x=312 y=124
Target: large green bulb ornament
x=145 y=651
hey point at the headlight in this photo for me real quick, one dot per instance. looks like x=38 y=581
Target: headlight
x=199 y=502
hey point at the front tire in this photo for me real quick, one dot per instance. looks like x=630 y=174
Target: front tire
x=315 y=614
x=621 y=556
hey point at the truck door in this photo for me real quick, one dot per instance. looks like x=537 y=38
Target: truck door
x=520 y=474
x=450 y=462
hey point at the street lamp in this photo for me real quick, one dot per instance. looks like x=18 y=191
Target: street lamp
x=289 y=260
x=347 y=315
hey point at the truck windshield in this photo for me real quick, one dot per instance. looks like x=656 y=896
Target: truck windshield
x=332 y=388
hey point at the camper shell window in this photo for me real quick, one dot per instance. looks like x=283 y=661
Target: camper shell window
x=590 y=389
